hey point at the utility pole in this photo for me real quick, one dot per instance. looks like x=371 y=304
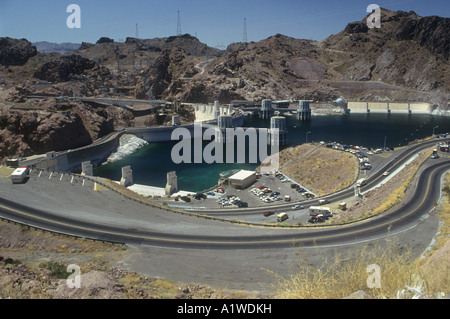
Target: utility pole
x=244 y=37
x=137 y=33
x=178 y=24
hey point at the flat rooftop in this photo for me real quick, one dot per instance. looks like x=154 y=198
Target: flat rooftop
x=242 y=174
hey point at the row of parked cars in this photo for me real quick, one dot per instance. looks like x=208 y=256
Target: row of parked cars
x=265 y=194
x=232 y=201
x=281 y=177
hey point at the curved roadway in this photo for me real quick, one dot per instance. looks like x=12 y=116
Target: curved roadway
x=207 y=236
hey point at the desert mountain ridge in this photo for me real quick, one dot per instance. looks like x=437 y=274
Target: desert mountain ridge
x=407 y=59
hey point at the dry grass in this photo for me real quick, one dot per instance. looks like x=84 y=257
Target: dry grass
x=344 y=276
x=436 y=264
x=323 y=170
x=398 y=269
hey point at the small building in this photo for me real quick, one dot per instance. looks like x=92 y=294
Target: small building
x=282 y=104
x=242 y=179
x=236 y=103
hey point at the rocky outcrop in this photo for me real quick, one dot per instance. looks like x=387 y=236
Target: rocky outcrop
x=163 y=76
x=28 y=133
x=67 y=66
x=15 y=52
x=432 y=33
x=104 y=40
x=356 y=27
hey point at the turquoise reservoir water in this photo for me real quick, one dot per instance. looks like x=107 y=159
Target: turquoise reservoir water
x=151 y=163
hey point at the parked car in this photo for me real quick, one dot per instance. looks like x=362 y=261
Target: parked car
x=316 y=219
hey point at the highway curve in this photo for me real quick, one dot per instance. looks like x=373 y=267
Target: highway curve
x=371 y=182
x=427 y=192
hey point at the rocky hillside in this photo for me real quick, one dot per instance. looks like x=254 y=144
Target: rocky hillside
x=406 y=59
x=408 y=51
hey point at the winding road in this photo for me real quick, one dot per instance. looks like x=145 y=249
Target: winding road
x=58 y=205
x=426 y=194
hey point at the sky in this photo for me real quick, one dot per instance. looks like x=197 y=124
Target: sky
x=216 y=23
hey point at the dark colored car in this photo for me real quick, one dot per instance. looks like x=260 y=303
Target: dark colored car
x=267 y=214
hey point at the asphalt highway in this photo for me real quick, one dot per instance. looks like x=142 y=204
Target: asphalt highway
x=426 y=194
x=372 y=181
x=190 y=249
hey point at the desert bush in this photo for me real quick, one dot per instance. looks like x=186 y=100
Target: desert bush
x=57 y=269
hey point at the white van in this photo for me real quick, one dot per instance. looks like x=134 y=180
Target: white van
x=19 y=175
x=282 y=217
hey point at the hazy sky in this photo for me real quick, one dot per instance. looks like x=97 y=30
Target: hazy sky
x=214 y=22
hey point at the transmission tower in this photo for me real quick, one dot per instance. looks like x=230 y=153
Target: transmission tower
x=137 y=31
x=244 y=38
x=178 y=24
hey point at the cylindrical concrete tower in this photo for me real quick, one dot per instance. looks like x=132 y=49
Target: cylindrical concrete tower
x=304 y=111
x=266 y=109
x=216 y=109
x=225 y=121
x=278 y=124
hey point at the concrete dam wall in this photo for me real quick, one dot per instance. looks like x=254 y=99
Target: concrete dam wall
x=98 y=152
x=389 y=107
x=71 y=160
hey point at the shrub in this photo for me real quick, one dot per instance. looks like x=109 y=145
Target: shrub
x=57 y=270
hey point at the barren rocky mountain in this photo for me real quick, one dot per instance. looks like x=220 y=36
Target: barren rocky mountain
x=62 y=48
x=406 y=59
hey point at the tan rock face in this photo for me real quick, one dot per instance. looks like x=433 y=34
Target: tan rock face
x=28 y=133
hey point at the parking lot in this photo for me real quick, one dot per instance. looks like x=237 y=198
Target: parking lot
x=268 y=190
x=271 y=190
